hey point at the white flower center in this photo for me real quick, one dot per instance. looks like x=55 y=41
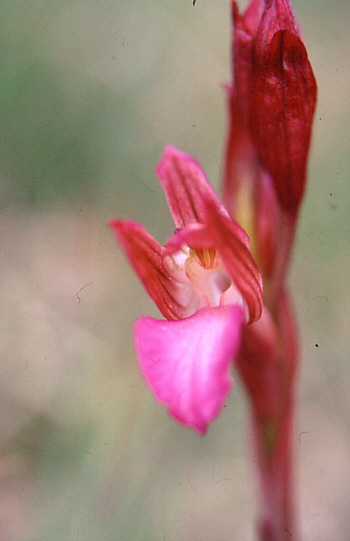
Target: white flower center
x=203 y=270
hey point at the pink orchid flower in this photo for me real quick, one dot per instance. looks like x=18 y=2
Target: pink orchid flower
x=205 y=283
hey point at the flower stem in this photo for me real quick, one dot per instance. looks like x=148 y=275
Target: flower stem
x=273 y=447
x=267 y=366
x=273 y=439
x=287 y=229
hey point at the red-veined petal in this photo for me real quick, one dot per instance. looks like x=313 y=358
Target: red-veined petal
x=186 y=187
x=175 y=300
x=198 y=236
x=237 y=258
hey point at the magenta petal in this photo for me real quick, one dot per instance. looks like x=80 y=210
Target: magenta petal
x=186 y=363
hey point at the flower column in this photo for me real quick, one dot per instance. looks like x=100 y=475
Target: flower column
x=271 y=107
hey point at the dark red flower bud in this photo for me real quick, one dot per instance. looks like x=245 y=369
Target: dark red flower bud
x=273 y=99
x=282 y=102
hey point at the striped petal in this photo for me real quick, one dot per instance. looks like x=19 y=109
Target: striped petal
x=175 y=300
x=186 y=187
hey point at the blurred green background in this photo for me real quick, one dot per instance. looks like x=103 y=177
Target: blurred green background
x=90 y=93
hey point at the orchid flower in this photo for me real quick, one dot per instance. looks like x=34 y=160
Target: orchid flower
x=207 y=286
x=205 y=281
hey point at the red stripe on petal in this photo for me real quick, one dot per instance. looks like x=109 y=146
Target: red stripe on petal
x=235 y=254
x=174 y=300
x=186 y=187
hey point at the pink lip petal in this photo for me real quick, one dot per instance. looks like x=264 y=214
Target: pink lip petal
x=186 y=363
x=186 y=187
